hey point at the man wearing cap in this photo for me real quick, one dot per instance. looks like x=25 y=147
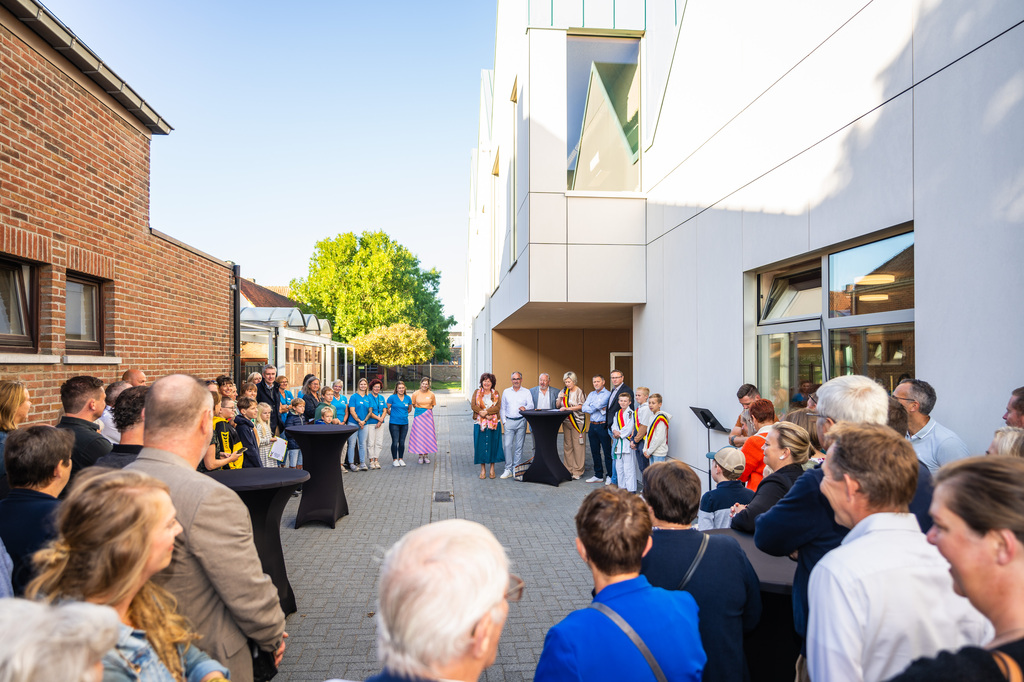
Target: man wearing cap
x=726 y=467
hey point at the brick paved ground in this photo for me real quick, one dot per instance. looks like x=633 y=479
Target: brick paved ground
x=334 y=572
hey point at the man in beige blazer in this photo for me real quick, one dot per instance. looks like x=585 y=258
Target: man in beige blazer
x=215 y=573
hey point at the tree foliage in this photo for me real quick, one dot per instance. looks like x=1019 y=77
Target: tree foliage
x=399 y=344
x=368 y=281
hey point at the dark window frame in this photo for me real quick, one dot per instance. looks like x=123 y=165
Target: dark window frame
x=87 y=347
x=28 y=342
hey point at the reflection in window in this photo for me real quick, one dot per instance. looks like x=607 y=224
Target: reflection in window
x=13 y=300
x=82 y=312
x=603 y=109
x=791 y=294
x=786 y=363
x=873 y=278
x=884 y=353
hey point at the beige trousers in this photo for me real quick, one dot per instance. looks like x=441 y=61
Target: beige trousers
x=574 y=452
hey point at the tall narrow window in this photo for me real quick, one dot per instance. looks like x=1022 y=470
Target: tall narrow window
x=83 y=326
x=603 y=114
x=16 y=297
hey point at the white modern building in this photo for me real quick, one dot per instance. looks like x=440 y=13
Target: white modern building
x=708 y=193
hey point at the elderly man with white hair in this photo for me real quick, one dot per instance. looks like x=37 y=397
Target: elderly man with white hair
x=442 y=602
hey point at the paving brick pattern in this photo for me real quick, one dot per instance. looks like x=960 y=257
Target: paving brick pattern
x=334 y=572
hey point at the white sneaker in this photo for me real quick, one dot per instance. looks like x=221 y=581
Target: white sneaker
x=506 y=474
x=401 y=462
x=395 y=463
x=594 y=479
x=608 y=480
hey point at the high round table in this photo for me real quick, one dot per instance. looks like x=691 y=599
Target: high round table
x=772 y=647
x=547 y=467
x=265 y=492
x=323 y=498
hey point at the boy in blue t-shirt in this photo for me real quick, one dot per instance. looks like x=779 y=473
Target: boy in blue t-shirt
x=726 y=468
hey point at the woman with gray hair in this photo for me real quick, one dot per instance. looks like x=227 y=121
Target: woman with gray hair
x=442 y=602
x=570 y=400
x=65 y=642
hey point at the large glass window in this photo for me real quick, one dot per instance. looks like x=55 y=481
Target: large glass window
x=82 y=321
x=15 y=304
x=603 y=114
x=866 y=317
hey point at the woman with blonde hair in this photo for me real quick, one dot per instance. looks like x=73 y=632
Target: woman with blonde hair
x=787 y=450
x=14 y=407
x=1008 y=441
x=116 y=530
x=570 y=400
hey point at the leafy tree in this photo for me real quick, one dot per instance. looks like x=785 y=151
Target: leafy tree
x=369 y=281
x=399 y=344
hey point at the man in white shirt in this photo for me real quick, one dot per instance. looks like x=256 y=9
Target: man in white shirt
x=544 y=397
x=106 y=421
x=883 y=597
x=934 y=444
x=514 y=400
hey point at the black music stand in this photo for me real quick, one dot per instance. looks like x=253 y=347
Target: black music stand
x=709 y=422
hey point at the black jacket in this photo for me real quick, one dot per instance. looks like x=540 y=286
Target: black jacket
x=26 y=524
x=89 y=444
x=772 y=489
x=247 y=434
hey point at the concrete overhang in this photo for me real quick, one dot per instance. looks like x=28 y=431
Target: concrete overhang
x=570 y=316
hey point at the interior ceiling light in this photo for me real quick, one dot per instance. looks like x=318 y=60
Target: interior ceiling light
x=874 y=279
x=874 y=297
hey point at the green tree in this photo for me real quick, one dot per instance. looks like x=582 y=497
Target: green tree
x=399 y=344
x=369 y=281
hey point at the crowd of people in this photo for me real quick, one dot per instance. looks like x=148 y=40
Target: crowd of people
x=909 y=552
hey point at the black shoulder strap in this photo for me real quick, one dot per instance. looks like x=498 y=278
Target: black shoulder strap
x=696 y=562
x=635 y=638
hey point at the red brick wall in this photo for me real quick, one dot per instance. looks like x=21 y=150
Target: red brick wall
x=74 y=195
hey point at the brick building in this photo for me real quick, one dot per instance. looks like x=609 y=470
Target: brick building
x=86 y=285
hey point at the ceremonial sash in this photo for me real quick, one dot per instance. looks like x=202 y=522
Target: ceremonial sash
x=620 y=420
x=572 y=415
x=660 y=419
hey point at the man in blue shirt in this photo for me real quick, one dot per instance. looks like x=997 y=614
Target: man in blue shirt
x=613 y=528
x=934 y=444
x=596 y=405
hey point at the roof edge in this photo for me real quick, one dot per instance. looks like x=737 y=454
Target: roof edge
x=47 y=26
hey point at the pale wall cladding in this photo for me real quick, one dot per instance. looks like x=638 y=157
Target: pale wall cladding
x=74 y=195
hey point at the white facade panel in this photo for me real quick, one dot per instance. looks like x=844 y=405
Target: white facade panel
x=547 y=218
x=598 y=13
x=568 y=14
x=867 y=176
x=547 y=113
x=548 y=273
x=947 y=30
x=585 y=261
x=630 y=15
x=605 y=220
x=969 y=199
x=523 y=228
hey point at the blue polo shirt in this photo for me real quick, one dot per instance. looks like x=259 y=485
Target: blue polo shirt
x=361 y=404
x=378 y=404
x=399 y=408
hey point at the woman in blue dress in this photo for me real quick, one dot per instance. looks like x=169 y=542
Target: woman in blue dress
x=399 y=406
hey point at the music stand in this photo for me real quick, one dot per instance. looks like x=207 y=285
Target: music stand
x=709 y=422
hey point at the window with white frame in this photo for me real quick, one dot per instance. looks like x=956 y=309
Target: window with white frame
x=84 y=314
x=862 y=322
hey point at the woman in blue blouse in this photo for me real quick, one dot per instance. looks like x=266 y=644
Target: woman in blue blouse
x=375 y=424
x=359 y=412
x=399 y=406
x=284 y=399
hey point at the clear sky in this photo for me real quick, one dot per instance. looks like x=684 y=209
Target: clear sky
x=295 y=122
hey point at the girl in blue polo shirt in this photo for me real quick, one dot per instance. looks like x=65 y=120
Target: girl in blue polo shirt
x=358 y=412
x=375 y=424
x=399 y=405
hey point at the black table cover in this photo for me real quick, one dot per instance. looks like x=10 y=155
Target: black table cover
x=265 y=492
x=773 y=646
x=323 y=498
x=547 y=467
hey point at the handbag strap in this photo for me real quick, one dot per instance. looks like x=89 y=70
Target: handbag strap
x=696 y=562
x=635 y=638
x=1008 y=666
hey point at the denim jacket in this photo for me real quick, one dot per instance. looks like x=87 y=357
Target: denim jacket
x=133 y=659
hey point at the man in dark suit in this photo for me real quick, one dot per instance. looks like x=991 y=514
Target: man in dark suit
x=84 y=400
x=266 y=392
x=617 y=388
x=38 y=468
x=215 y=572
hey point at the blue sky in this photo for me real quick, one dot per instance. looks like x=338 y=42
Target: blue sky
x=295 y=122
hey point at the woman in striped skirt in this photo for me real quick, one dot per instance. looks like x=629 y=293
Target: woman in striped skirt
x=422 y=437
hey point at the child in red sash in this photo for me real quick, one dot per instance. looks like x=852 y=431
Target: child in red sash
x=622 y=451
x=656 y=441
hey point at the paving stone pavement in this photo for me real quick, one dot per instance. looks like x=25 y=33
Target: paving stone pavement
x=334 y=572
